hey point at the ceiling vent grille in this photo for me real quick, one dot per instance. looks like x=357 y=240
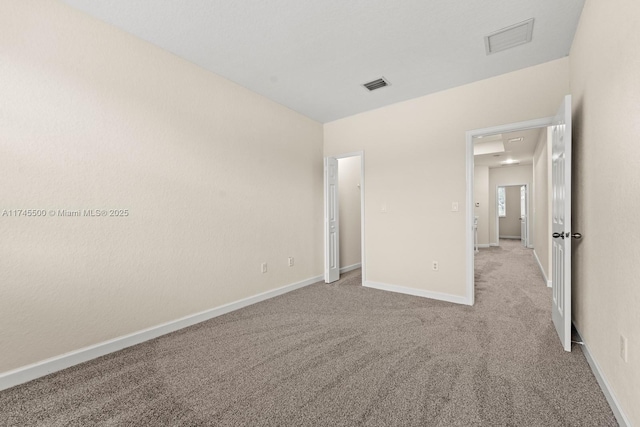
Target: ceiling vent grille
x=377 y=84
x=509 y=37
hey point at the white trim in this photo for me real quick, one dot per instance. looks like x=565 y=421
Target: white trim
x=417 y=292
x=483 y=245
x=470 y=134
x=350 y=267
x=470 y=218
x=546 y=280
x=604 y=384
x=511 y=237
x=39 y=369
x=495 y=245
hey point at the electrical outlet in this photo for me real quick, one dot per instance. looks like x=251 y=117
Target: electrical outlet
x=623 y=348
x=264 y=267
x=290 y=261
x=435 y=266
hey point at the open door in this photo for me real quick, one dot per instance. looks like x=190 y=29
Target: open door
x=524 y=237
x=561 y=222
x=331 y=221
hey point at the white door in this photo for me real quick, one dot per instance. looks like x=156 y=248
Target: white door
x=561 y=219
x=523 y=216
x=331 y=221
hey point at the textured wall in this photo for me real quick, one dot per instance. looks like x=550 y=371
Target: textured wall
x=605 y=65
x=216 y=180
x=541 y=202
x=481 y=195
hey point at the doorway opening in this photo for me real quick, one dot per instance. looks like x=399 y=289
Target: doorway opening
x=512 y=213
x=479 y=213
x=558 y=164
x=344 y=234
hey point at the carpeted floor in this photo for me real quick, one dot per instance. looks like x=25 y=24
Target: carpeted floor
x=341 y=355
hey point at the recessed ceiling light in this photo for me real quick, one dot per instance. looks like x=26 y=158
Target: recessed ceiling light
x=510 y=162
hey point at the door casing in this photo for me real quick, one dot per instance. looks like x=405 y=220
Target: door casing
x=469 y=202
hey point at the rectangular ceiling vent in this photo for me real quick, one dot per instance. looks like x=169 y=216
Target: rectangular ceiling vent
x=377 y=84
x=509 y=37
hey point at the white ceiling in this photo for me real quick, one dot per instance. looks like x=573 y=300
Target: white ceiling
x=313 y=56
x=520 y=151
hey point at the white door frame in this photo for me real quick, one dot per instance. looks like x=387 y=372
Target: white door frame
x=498 y=217
x=362 y=192
x=511 y=127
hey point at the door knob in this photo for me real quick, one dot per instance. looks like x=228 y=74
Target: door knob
x=563 y=235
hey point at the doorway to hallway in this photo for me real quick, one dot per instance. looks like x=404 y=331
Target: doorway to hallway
x=512 y=213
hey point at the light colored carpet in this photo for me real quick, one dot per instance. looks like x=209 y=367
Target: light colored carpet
x=341 y=355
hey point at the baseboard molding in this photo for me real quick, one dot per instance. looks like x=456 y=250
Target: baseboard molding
x=350 y=267
x=546 y=280
x=495 y=245
x=511 y=237
x=604 y=385
x=39 y=369
x=417 y=292
x=483 y=245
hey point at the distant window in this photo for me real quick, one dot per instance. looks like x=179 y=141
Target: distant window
x=502 y=202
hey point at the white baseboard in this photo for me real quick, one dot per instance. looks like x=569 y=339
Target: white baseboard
x=417 y=292
x=350 y=267
x=511 y=237
x=546 y=280
x=604 y=385
x=483 y=245
x=39 y=369
x=494 y=244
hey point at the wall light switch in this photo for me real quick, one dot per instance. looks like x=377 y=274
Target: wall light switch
x=384 y=208
x=454 y=207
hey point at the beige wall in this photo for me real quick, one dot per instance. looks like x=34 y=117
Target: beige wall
x=481 y=196
x=349 y=204
x=502 y=176
x=605 y=83
x=216 y=180
x=415 y=166
x=509 y=225
x=542 y=202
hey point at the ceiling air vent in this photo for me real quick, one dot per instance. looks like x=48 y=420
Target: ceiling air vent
x=509 y=37
x=377 y=84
